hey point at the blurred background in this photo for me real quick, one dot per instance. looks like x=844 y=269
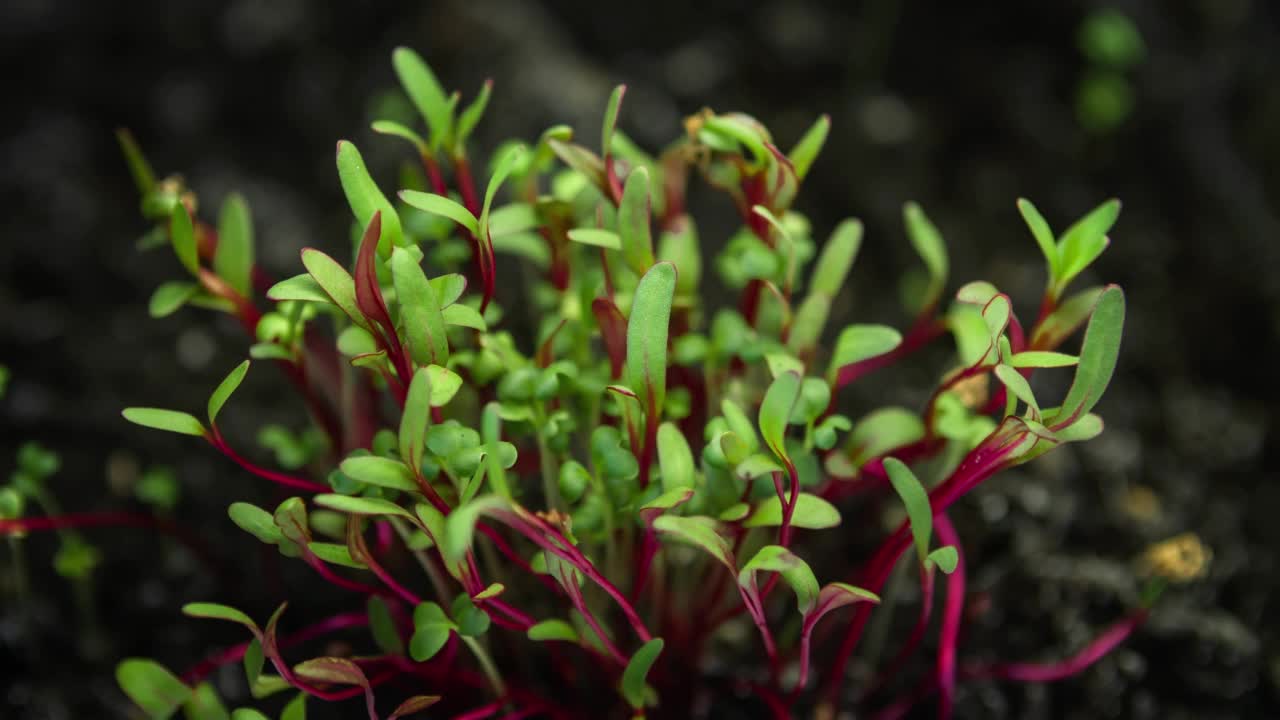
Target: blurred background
x=1172 y=106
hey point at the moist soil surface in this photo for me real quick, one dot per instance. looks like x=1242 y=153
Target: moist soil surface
x=960 y=108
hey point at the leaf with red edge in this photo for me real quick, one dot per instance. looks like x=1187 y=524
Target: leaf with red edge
x=368 y=292
x=613 y=331
x=415 y=704
x=339 y=671
x=336 y=283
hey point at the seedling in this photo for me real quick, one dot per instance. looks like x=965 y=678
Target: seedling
x=580 y=510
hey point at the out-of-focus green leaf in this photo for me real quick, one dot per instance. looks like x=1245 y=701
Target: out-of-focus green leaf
x=183 y=235
x=233 y=257
x=633 y=222
x=158 y=692
x=633 y=676
x=426 y=94
x=812 y=512
x=807 y=149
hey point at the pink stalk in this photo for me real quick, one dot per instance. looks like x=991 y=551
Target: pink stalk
x=951 y=614
x=981 y=463
x=109 y=519
x=236 y=652
x=913 y=640
x=1107 y=641
x=926 y=328
x=335 y=579
x=275 y=477
x=565 y=550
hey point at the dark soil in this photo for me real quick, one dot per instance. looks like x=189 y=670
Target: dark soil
x=961 y=106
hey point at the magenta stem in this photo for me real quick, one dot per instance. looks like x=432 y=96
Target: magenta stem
x=275 y=477
x=952 y=610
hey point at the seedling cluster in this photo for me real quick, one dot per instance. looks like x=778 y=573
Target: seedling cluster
x=598 y=523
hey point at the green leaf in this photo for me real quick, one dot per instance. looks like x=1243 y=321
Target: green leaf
x=425 y=92
x=775 y=412
x=633 y=677
x=500 y=172
x=431 y=631
x=169 y=297
x=421 y=316
x=395 y=129
x=383 y=627
x=470 y=117
x=443 y=207
x=919 y=511
x=736 y=129
x=248 y=714
x=415 y=417
x=336 y=282
x=1042 y=359
x=1098 y=355
x=151 y=687
x=299 y=287
x=675 y=459
x=362 y=505
x=214 y=611
x=945 y=558
x=380 y=471
x=699 y=531
x=513 y=218
x=740 y=424
x=255 y=521
x=837 y=258
x=183 y=235
x=471 y=621
x=928 y=243
x=465 y=316
x=1019 y=386
x=647 y=327
x=812 y=513
x=837 y=595
x=168 y=420
x=449 y=288
x=552 y=630
x=610 y=122
x=808 y=322
x=796 y=573
x=143 y=176
x=1084 y=241
x=594 y=236
x=233 y=257
x=633 y=222
x=861 y=342
x=807 y=149
x=1043 y=235
x=225 y=389
x=366 y=199
x=335 y=554
x=296 y=709
x=1066 y=319
x=460 y=525
x=253 y=661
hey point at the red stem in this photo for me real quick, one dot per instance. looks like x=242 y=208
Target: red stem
x=109 y=519
x=276 y=477
x=952 y=610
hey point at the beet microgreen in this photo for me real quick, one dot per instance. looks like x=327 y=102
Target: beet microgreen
x=599 y=494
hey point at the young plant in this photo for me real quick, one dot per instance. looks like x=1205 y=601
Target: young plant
x=573 y=526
